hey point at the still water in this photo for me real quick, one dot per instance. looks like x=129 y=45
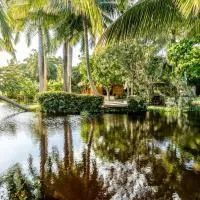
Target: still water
x=116 y=157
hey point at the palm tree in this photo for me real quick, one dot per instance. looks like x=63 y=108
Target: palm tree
x=34 y=17
x=96 y=16
x=90 y=12
x=5 y=30
x=152 y=17
x=188 y=7
x=70 y=30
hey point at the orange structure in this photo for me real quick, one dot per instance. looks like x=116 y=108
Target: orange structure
x=117 y=90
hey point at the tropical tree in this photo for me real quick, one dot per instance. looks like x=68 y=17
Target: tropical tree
x=153 y=17
x=34 y=17
x=185 y=57
x=76 y=25
x=5 y=30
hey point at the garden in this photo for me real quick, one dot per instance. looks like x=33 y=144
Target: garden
x=106 y=103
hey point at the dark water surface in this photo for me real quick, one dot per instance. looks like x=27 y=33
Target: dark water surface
x=117 y=157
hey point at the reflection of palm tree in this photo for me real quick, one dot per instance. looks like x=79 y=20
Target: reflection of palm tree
x=68 y=145
x=88 y=152
x=78 y=182
x=43 y=147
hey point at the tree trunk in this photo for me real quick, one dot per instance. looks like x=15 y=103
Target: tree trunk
x=108 y=94
x=13 y=103
x=132 y=89
x=45 y=71
x=69 y=68
x=65 y=61
x=87 y=56
x=128 y=90
x=41 y=60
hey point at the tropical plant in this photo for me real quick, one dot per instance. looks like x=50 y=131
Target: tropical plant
x=185 y=57
x=149 y=18
x=17 y=86
x=34 y=17
x=81 y=23
x=5 y=30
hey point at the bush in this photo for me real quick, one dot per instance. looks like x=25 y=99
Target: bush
x=65 y=103
x=136 y=104
x=54 y=86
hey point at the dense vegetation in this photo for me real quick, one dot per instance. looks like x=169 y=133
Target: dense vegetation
x=65 y=103
x=148 y=48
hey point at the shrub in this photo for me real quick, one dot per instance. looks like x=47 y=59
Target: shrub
x=136 y=104
x=54 y=85
x=65 y=103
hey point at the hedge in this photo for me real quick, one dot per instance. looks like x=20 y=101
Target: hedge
x=65 y=103
x=136 y=104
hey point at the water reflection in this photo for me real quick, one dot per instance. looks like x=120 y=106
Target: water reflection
x=109 y=157
x=57 y=179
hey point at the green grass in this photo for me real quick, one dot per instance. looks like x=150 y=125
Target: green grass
x=163 y=109
x=196 y=101
x=34 y=107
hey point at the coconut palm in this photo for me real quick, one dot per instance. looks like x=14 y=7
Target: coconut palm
x=34 y=17
x=152 y=17
x=5 y=30
x=70 y=30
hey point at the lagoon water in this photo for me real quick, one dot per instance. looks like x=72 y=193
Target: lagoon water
x=118 y=157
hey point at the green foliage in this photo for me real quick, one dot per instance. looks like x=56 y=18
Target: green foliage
x=20 y=80
x=31 y=67
x=123 y=63
x=185 y=56
x=150 y=18
x=106 y=71
x=65 y=103
x=53 y=86
x=136 y=104
x=76 y=79
x=158 y=69
x=15 y=84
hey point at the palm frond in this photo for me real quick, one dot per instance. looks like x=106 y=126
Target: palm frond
x=5 y=29
x=189 y=7
x=145 y=18
x=90 y=9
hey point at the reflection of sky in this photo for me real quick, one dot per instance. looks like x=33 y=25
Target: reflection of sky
x=163 y=146
x=16 y=149
x=17 y=145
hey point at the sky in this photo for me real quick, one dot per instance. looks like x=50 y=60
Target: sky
x=22 y=52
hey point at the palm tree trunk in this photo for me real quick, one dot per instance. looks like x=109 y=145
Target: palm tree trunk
x=86 y=43
x=45 y=71
x=69 y=68
x=65 y=61
x=41 y=60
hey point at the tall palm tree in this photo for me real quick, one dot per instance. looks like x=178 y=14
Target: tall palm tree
x=151 y=17
x=34 y=17
x=90 y=12
x=96 y=16
x=70 y=30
